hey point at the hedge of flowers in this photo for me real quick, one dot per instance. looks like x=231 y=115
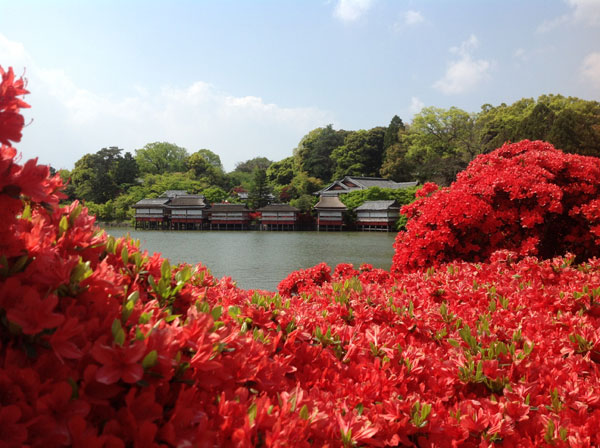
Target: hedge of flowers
x=105 y=345
x=527 y=197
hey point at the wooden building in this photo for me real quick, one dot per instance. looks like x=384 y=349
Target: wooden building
x=151 y=213
x=355 y=183
x=377 y=215
x=229 y=217
x=278 y=217
x=188 y=212
x=330 y=213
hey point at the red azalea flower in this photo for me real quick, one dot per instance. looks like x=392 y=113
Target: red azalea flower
x=119 y=362
x=12 y=433
x=11 y=121
x=35 y=314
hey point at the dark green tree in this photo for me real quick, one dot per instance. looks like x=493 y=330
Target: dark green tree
x=260 y=191
x=360 y=155
x=313 y=154
x=393 y=131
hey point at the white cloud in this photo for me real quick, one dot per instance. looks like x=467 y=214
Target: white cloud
x=69 y=121
x=413 y=18
x=351 y=10
x=407 y=19
x=464 y=73
x=520 y=54
x=590 y=69
x=415 y=105
x=586 y=12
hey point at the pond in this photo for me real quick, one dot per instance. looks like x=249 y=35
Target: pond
x=260 y=259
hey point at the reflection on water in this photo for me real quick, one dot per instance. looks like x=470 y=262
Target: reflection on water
x=262 y=259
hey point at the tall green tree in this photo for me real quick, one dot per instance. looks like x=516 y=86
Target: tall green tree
x=161 y=157
x=360 y=155
x=282 y=172
x=442 y=142
x=314 y=152
x=393 y=131
x=102 y=176
x=260 y=191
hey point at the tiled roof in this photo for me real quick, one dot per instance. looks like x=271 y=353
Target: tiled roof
x=330 y=202
x=188 y=201
x=154 y=202
x=229 y=208
x=378 y=205
x=362 y=183
x=278 y=208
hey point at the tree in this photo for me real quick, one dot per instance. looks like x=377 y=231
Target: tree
x=282 y=172
x=259 y=192
x=249 y=166
x=214 y=194
x=161 y=157
x=360 y=155
x=313 y=154
x=393 y=131
x=441 y=143
x=206 y=165
x=102 y=176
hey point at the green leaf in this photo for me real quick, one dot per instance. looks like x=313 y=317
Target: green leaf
x=117 y=332
x=63 y=226
x=234 y=311
x=216 y=312
x=145 y=318
x=124 y=255
x=150 y=359
x=133 y=297
x=252 y=413
x=304 y=414
x=165 y=270
x=453 y=342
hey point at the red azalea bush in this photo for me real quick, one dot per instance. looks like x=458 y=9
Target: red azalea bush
x=102 y=345
x=527 y=197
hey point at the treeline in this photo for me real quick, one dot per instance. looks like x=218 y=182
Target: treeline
x=435 y=146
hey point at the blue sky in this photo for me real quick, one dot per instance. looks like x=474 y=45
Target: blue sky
x=250 y=78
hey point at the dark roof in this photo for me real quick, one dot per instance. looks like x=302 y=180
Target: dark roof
x=330 y=202
x=278 y=208
x=173 y=193
x=155 y=202
x=378 y=205
x=229 y=208
x=362 y=183
x=188 y=201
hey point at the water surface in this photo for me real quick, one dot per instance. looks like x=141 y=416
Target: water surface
x=255 y=259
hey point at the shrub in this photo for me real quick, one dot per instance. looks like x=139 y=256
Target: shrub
x=527 y=197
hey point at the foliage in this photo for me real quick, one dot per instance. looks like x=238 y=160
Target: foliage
x=526 y=197
x=249 y=166
x=260 y=192
x=282 y=172
x=161 y=158
x=102 y=176
x=305 y=202
x=314 y=152
x=571 y=124
x=357 y=198
x=360 y=155
x=214 y=195
x=207 y=167
x=103 y=345
x=441 y=143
